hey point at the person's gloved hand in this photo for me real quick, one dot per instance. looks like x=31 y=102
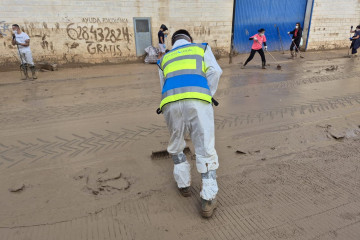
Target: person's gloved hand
x=288 y=32
x=351 y=39
x=265 y=48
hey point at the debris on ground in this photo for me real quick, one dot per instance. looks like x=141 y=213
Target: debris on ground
x=151 y=54
x=44 y=66
x=254 y=152
x=103 y=181
x=19 y=187
x=332 y=68
x=240 y=152
x=338 y=135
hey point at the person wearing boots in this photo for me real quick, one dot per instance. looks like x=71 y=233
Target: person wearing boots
x=22 y=40
x=258 y=40
x=355 y=41
x=189 y=76
x=296 y=39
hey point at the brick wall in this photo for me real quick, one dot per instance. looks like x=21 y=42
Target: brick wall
x=90 y=31
x=331 y=21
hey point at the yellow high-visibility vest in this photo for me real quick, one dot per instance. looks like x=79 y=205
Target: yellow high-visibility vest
x=184 y=72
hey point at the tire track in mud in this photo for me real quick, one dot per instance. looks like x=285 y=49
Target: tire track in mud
x=297 y=204
x=316 y=106
x=80 y=110
x=29 y=152
x=288 y=84
x=71 y=147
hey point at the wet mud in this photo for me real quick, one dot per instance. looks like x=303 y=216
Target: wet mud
x=83 y=154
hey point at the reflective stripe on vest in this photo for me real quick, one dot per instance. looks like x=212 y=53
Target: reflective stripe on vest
x=184 y=72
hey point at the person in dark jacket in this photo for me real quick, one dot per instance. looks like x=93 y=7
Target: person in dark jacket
x=355 y=41
x=297 y=35
x=258 y=40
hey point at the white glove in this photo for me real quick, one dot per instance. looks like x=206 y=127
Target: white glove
x=265 y=48
x=288 y=32
x=255 y=38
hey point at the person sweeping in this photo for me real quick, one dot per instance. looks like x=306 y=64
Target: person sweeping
x=189 y=76
x=258 y=40
x=355 y=41
x=296 y=39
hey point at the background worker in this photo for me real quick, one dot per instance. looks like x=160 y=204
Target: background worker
x=355 y=41
x=161 y=36
x=189 y=78
x=22 y=40
x=258 y=40
x=296 y=39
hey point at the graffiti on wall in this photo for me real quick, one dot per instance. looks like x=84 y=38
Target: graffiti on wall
x=101 y=40
x=201 y=31
x=104 y=20
x=3 y=28
x=94 y=36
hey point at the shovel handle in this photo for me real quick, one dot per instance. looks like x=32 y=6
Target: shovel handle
x=271 y=56
x=216 y=103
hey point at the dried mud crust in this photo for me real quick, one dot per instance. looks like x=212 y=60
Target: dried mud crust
x=102 y=181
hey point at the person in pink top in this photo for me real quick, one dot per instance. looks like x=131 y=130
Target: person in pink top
x=258 y=40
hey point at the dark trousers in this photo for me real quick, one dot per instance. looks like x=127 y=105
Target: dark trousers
x=297 y=42
x=252 y=54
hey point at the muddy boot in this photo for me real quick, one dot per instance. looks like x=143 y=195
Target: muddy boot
x=296 y=53
x=24 y=71
x=243 y=66
x=208 y=207
x=264 y=65
x=185 y=191
x=33 y=72
x=292 y=54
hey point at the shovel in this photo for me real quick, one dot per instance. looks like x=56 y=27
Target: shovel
x=278 y=65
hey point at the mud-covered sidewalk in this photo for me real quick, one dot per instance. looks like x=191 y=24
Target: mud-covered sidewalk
x=76 y=144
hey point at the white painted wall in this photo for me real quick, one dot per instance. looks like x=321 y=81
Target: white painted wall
x=60 y=30
x=331 y=21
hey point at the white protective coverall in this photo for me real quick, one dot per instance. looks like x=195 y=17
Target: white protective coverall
x=194 y=117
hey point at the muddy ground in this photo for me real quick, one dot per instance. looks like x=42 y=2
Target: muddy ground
x=76 y=144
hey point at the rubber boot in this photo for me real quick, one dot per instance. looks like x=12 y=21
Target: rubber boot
x=264 y=65
x=33 y=72
x=24 y=71
x=185 y=192
x=208 y=207
x=244 y=66
x=292 y=54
